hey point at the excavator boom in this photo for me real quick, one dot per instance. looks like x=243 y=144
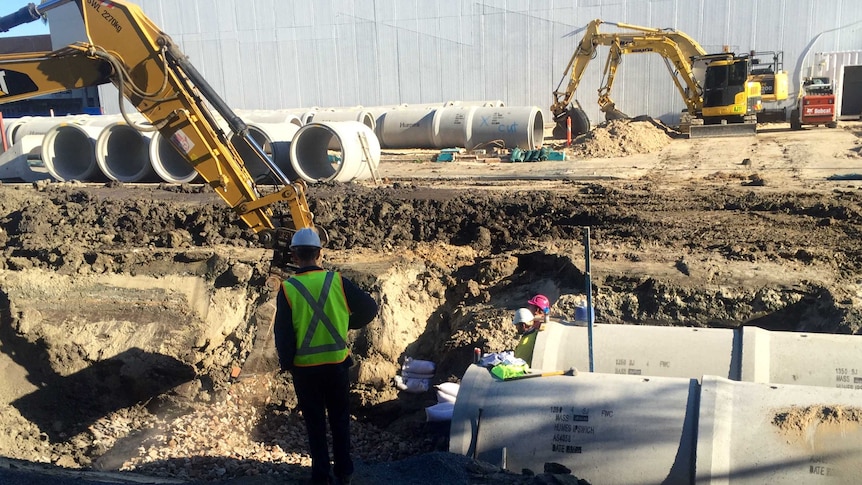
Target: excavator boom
x=125 y=48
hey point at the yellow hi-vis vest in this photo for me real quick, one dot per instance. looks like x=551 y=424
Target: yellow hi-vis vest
x=320 y=317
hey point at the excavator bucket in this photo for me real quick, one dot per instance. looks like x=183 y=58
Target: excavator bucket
x=724 y=129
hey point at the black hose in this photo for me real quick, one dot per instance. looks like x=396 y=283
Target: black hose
x=24 y=15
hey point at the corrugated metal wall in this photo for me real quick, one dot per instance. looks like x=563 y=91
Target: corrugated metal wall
x=268 y=54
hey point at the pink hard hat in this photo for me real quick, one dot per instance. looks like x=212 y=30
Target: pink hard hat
x=541 y=301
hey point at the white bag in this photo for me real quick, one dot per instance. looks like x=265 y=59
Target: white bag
x=440 y=412
x=418 y=366
x=411 y=385
x=443 y=397
x=449 y=388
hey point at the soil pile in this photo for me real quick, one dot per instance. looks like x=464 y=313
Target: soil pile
x=618 y=138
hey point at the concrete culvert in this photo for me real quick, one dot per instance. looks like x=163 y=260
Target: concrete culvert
x=168 y=162
x=313 y=161
x=274 y=139
x=68 y=151
x=122 y=153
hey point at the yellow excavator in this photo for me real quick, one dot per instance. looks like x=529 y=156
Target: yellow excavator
x=126 y=48
x=725 y=102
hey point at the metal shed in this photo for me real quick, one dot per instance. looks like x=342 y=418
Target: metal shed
x=273 y=54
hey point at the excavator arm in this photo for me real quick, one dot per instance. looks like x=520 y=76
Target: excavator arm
x=125 y=48
x=676 y=48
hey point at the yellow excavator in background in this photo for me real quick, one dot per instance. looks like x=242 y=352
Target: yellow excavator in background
x=125 y=48
x=724 y=101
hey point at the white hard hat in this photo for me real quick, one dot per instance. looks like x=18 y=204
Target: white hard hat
x=305 y=237
x=523 y=315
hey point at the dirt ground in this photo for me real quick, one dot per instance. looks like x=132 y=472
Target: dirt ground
x=127 y=311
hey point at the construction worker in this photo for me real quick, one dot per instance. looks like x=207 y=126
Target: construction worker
x=314 y=310
x=541 y=308
x=528 y=328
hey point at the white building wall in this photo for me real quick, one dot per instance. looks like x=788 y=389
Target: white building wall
x=270 y=54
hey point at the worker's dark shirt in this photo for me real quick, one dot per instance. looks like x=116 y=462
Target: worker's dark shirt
x=362 y=308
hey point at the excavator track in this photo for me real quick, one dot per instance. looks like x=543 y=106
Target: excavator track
x=722 y=130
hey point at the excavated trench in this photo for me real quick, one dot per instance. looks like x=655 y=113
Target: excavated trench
x=142 y=301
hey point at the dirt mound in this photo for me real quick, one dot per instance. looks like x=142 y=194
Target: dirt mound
x=618 y=138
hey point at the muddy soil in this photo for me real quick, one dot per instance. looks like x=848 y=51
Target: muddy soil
x=136 y=320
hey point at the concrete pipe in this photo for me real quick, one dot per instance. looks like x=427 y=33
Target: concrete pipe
x=639 y=350
x=361 y=115
x=752 y=433
x=275 y=139
x=23 y=160
x=607 y=429
x=452 y=126
x=830 y=360
x=68 y=151
x=123 y=153
x=170 y=165
x=407 y=128
x=495 y=103
x=269 y=116
x=37 y=125
x=522 y=127
x=312 y=161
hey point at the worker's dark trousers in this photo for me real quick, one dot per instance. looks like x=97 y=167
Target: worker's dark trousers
x=324 y=389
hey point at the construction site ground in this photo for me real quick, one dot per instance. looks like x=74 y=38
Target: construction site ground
x=135 y=340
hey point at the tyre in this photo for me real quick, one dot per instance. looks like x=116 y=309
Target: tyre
x=832 y=124
x=795 y=122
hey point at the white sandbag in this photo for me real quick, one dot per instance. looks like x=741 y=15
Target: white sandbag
x=443 y=397
x=440 y=412
x=411 y=385
x=417 y=375
x=450 y=388
x=418 y=366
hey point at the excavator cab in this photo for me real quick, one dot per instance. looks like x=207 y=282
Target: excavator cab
x=731 y=100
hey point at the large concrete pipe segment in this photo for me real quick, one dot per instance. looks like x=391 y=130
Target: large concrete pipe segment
x=23 y=160
x=69 y=153
x=123 y=153
x=311 y=160
x=407 y=128
x=350 y=114
x=170 y=165
x=607 y=429
x=802 y=358
x=275 y=139
x=753 y=433
x=452 y=126
x=639 y=350
x=269 y=116
x=522 y=127
x=37 y=125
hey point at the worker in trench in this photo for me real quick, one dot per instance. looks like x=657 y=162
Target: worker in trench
x=529 y=321
x=314 y=310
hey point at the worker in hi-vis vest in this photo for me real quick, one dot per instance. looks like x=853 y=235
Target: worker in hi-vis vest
x=314 y=310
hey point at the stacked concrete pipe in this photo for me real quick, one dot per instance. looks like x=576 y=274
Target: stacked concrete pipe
x=167 y=161
x=621 y=429
x=310 y=157
x=68 y=149
x=275 y=139
x=270 y=116
x=747 y=353
x=123 y=153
